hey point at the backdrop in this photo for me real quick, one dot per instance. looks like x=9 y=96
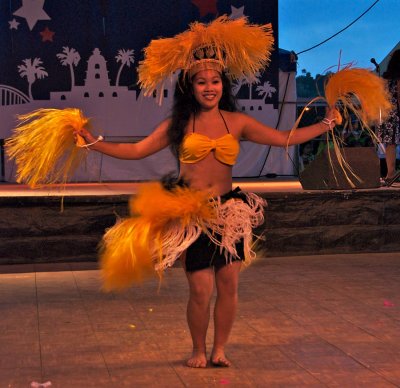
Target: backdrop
x=84 y=54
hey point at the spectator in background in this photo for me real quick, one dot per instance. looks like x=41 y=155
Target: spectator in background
x=389 y=130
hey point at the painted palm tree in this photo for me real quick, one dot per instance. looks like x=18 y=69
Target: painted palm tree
x=32 y=70
x=236 y=85
x=126 y=57
x=245 y=81
x=266 y=90
x=257 y=76
x=70 y=57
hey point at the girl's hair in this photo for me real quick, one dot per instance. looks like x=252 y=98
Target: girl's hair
x=393 y=68
x=185 y=104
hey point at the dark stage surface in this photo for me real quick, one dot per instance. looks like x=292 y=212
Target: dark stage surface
x=320 y=321
x=298 y=222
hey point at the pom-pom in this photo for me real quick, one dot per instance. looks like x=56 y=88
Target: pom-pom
x=43 y=146
x=359 y=91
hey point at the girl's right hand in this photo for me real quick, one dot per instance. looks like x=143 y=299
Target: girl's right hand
x=82 y=137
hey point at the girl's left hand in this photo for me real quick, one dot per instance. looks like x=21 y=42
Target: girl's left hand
x=333 y=114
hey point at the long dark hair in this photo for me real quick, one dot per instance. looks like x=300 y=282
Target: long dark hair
x=393 y=68
x=185 y=104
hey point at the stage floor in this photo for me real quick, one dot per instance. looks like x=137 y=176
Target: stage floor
x=259 y=185
x=320 y=321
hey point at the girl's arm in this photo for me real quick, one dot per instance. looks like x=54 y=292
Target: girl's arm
x=257 y=132
x=153 y=143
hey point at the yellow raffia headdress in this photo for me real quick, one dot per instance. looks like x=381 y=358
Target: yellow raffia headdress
x=359 y=92
x=235 y=46
x=43 y=146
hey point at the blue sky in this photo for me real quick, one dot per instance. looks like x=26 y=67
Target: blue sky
x=304 y=23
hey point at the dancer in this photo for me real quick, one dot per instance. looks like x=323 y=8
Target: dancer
x=203 y=131
x=389 y=130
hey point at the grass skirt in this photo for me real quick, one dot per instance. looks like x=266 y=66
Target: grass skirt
x=164 y=223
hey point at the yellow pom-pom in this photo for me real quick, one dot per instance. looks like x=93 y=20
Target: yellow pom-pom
x=361 y=92
x=43 y=145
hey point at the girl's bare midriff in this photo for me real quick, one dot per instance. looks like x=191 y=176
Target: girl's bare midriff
x=208 y=174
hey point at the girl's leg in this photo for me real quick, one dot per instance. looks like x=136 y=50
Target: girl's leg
x=227 y=280
x=201 y=284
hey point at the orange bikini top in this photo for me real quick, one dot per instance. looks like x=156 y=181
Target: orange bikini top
x=196 y=147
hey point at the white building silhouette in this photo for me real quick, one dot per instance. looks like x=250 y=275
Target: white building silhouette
x=97 y=85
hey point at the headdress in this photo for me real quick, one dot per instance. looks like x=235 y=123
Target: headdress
x=235 y=46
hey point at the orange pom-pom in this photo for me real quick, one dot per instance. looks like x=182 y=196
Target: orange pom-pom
x=359 y=91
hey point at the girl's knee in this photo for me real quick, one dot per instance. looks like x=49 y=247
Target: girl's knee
x=228 y=282
x=200 y=294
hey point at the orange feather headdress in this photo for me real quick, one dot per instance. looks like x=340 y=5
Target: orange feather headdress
x=235 y=46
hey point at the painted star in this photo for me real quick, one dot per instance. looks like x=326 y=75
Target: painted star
x=47 y=35
x=13 y=24
x=206 y=6
x=236 y=12
x=32 y=11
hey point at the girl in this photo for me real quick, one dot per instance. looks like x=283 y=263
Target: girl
x=203 y=132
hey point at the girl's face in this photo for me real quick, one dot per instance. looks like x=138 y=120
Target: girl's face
x=207 y=88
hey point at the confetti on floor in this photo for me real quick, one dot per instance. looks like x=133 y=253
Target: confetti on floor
x=388 y=303
x=35 y=384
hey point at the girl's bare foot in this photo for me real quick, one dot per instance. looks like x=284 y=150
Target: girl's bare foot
x=198 y=360
x=218 y=359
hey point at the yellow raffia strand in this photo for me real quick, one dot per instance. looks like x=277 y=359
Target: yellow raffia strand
x=43 y=146
x=131 y=248
x=358 y=92
x=243 y=48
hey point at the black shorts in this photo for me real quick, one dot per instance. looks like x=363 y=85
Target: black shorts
x=203 y=253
